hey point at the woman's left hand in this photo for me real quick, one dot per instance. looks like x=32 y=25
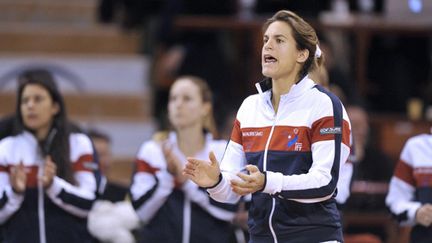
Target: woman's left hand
x=249 y=183
x=50 y=170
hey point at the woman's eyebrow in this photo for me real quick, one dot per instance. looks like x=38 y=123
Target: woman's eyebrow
x=276 y=36
x=279 y=36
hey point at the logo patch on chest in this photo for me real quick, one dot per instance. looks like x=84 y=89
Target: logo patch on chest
x=252 y=134
x=294 y=140
x=291 y=140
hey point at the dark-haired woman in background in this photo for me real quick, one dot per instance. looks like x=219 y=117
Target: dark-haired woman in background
x=46 y=171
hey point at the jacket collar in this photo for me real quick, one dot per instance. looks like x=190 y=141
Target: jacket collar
x=264 y=88
x=172 y=138
x=29 y=137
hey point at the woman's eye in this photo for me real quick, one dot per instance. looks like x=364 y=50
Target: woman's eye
x=38 y=99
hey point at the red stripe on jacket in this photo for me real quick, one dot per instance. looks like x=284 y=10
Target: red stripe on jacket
x=289 y=138
x=404 y=172
x=84 y=163
x=252 y=138
x=423 y=176
x=4 y=169
x=31 y=173
x=32 y=176
x=236 y=132
x=143 y=166
x=328 y=122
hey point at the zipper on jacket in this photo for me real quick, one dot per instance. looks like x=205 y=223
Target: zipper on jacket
x=41 y=206
x=187 y=218
x=265 y=168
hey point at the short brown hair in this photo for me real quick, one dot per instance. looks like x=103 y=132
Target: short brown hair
x=304 y=36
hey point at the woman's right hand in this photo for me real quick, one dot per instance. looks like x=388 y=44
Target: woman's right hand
x=18 y=178
x=203 y=173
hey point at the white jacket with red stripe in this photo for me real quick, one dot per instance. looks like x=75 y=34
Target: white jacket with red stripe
x=301 y=149
x=186 y=210
x=411 y=184
x=66 y=206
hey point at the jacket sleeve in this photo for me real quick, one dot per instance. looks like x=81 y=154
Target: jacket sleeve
x=344 y=182
x=77 y=198
x=345 y=177
x=10 y=201
x=233 y=161
x=222 y=211
x=151 y=184
x=330 y=147
x=401 y=195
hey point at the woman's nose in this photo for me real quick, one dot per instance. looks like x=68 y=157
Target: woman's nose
x=30 y=103
x=178 y=103
x=267 y=45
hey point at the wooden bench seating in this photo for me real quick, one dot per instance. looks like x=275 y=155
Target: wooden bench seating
x=48 y=10
x=62 y=38
x=95 y=106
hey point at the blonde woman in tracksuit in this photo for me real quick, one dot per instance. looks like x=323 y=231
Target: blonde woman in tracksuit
x=172 y=208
